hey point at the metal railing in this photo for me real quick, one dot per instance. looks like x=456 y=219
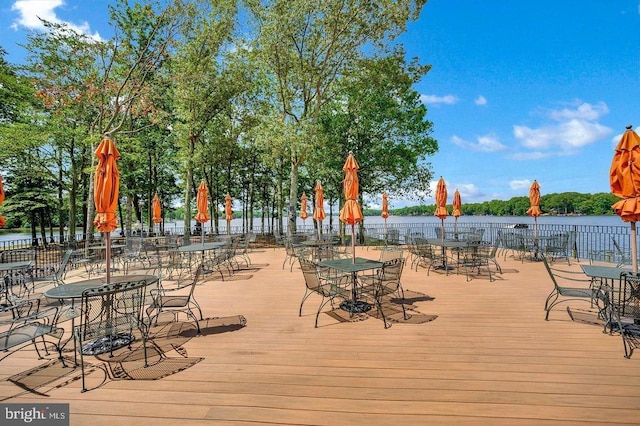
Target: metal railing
x=594 y=242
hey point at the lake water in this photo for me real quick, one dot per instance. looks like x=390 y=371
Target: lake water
x=374 y=220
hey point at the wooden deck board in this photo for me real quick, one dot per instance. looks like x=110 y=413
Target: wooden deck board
x=488 y=358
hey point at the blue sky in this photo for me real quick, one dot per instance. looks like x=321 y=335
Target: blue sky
x=519 y=90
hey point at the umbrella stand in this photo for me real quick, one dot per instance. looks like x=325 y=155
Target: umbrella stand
x=444 y=266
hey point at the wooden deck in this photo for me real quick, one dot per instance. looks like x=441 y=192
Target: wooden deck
x=489 y=357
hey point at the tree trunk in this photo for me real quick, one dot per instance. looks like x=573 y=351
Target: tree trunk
x=188 y=189
x=34 y=233
x=293 y=197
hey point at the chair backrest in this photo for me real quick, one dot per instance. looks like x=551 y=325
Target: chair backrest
x=19 y=255
x=111 y=309
x=565 y=279
x=626 y=298
x=66 y=258
x=196 y=278
x=310 y=274
x=390 y=275
x=389 y=253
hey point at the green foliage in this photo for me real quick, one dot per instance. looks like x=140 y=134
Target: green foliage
x=551 y=204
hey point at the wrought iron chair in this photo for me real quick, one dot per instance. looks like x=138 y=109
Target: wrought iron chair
x=623 y=310
x=109 y=316
x=479 y=256
x=315 y=284
x=564 y=290
x=622 y=257
x=176 y=300
x=18 y=330
x=389 y=253
x=557 y=246
x=384 y=283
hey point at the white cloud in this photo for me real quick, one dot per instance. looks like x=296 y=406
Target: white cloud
x=434 y=99
x=467 y=191
x=583 y=111
x=571 y=129
x=31 y=11
x=481 y=100
x=616 y=139
x=488 y=143
x=518 y=184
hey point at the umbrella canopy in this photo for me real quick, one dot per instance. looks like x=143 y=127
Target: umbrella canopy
x=457 y=205
x=350 y=212
x=106 y=186
x=441 y=200
x=157 y=209
x=534 y=200
x=228 y=213
x=385 y=206
x=457 y=212
x=227 y=207
x=202 y=203
x=624 y=178
x=318 y=212
x=303 y=207
x=2 y=222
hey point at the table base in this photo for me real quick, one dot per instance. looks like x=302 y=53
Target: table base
x=107 y=344
x=443 y=268
x=356 y=307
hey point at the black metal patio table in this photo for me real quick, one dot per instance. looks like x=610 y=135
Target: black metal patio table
x=74 y=290
x=353 y=266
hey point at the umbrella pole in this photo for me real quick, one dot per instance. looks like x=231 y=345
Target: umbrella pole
x=455 y=231
x=353 y=243
x=319 y=230
x=386 y=235
x=634 y=248
x=202 y=238
x=108 y=255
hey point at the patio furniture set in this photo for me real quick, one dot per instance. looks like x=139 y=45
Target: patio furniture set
x=106 y=314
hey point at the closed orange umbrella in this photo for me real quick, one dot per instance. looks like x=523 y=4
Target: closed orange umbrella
x=441 y=202
x=202 y=204
x=2 y=221
x=106 y=186
x=303 y=207
x=157 y=209
x=457 y=212
x=534 y=210
x=228 y=212
x=318 y=212
x=385 y=211
x=624 y=179
x=385 y=206
x=350 y=212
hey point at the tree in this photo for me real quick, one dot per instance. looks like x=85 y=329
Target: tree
x=306 y=46
x=380 y=118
